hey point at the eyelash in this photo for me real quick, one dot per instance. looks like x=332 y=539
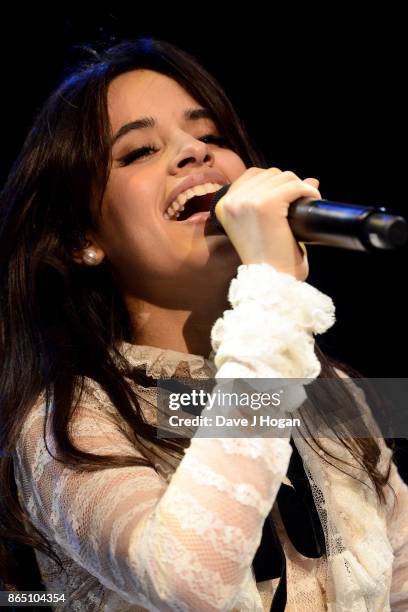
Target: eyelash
x=142 y=151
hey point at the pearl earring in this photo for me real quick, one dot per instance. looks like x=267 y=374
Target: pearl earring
x=90 y=257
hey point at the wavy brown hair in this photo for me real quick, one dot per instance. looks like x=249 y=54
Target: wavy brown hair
x=61 y=322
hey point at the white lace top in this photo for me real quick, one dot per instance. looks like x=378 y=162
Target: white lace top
x=143 y=539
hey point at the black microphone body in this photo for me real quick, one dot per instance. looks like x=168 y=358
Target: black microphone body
x=346 y=226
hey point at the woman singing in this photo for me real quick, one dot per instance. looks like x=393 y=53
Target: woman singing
x=112 y=278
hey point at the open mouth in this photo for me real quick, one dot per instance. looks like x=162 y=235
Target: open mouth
x=195 y=205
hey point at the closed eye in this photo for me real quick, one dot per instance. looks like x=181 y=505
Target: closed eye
x=143 y=151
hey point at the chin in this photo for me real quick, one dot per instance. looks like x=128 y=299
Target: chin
x=223 y=252
x=222 y=265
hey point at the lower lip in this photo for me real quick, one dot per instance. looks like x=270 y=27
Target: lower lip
x=200 y=217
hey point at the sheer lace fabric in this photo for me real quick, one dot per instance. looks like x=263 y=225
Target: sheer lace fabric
x=183 y=539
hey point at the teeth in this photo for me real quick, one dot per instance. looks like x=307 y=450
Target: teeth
x=178 y=205
x=171 y=213
x=199 y=189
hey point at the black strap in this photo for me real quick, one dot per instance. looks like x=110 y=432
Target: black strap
x=302 y=524
x=298 y=510
x=270 y=562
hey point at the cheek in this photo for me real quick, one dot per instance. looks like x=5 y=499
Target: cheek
x=232 y=165
x=130 y=229
x=129 y=202
x=123 y=214
x=129 y=193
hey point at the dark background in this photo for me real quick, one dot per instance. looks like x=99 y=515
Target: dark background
x=322 y=93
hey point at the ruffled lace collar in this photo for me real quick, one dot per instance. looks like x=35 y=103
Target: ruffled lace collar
x=166 y=363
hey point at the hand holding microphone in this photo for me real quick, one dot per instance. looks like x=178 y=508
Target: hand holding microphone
x=254 y=215
x=310 y=219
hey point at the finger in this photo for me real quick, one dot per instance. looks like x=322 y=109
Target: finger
x=253 y=177
x=291 y=191
x=276 y=177
x=312 y=181
x=281 y=178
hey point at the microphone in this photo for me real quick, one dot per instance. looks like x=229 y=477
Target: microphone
x=346 y=226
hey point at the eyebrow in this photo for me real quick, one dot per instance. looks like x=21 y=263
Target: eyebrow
x=191 y=114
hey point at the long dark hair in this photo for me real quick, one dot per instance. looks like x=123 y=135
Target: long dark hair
x=61 y=322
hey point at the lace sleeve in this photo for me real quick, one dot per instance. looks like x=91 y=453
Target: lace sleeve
x=186 y=545
x=126 y=527
x=396 y=508
x=398 y=535
x=269 y=332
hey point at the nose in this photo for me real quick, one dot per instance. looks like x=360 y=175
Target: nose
x=194 y=152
